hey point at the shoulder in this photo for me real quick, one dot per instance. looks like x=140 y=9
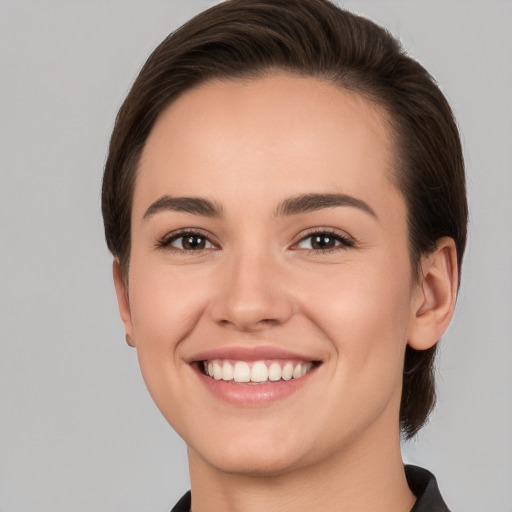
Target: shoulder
x=421 y=482
x=183 y=505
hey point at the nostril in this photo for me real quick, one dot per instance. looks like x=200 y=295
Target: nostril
x=249 y=323
x=251 y=300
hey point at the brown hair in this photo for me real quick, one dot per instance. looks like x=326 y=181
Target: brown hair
x=247 y=38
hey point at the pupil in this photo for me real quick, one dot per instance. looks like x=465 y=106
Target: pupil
x=323 y=242
x=193 y=242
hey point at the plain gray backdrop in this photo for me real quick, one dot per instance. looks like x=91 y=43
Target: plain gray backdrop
x=78 y=431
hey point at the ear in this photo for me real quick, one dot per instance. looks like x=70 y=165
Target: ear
x=435 y=295
x=123 y=302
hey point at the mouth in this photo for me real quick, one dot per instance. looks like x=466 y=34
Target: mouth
x=255 y=372
x=245 y=376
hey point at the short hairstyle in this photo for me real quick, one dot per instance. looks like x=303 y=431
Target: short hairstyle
x=244 y=39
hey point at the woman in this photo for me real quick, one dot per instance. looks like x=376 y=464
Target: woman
x=284 y=198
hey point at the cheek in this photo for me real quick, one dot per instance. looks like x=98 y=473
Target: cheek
x=366 y=318
x=166 y=305
x=165 y=308
x=364 y=310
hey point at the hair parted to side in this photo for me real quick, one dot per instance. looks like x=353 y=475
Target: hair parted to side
x=243 y=39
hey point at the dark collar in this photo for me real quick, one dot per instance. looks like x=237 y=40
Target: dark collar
x=422 y=483
x=184 y=504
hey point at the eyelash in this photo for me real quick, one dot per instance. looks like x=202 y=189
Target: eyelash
x=342 y=240
x=166 y=241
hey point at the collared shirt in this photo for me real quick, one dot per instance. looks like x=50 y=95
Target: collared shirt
x=424 y=485
x=421 y=482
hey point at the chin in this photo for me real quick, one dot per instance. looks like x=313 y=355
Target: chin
x=255 y=454
x=252 y=464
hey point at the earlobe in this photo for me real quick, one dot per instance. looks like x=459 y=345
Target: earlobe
x=123 y=302
x=436 y=293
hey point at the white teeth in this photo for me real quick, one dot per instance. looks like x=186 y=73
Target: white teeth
x=242 y=372
x=287 y=371
x=259 y=371
x=274 y=372
x=217 y=371
x=227 y=371
x=306 y=367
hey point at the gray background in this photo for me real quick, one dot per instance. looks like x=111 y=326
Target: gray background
x=78 y=431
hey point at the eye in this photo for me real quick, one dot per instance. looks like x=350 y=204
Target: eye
x=324 y=241
x=186 y=241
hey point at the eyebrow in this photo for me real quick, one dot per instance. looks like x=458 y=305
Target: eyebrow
x=194 y=205
x=313 y=202
x=304 y=203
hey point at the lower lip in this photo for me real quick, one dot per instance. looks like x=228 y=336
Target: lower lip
x=253 y=395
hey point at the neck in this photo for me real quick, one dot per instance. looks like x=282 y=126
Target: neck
x=367 y=476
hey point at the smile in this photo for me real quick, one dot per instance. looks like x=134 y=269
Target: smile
x=255 y=371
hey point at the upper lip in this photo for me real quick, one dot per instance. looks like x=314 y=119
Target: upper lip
x=248 y=353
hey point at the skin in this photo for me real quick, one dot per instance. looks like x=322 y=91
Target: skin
x=247 y=146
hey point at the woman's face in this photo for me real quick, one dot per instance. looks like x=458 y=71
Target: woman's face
x=268 y=240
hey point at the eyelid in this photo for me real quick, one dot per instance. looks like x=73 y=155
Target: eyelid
x=347 y=241
x=164 y=242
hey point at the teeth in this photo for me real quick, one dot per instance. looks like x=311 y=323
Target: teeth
x=288 y=371
x=274 y=372
x=227 y=371
x=259 y=372
x=242 y=372
x=217 y=371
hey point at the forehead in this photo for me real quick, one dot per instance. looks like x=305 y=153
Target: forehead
x=266 y=136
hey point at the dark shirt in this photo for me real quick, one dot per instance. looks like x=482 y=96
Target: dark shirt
x=422 y=483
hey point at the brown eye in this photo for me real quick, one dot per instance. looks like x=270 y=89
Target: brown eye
x=324 y=241
x=192 y=242
x=186 y=241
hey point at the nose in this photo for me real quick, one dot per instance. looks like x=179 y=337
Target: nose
x=253 y=295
